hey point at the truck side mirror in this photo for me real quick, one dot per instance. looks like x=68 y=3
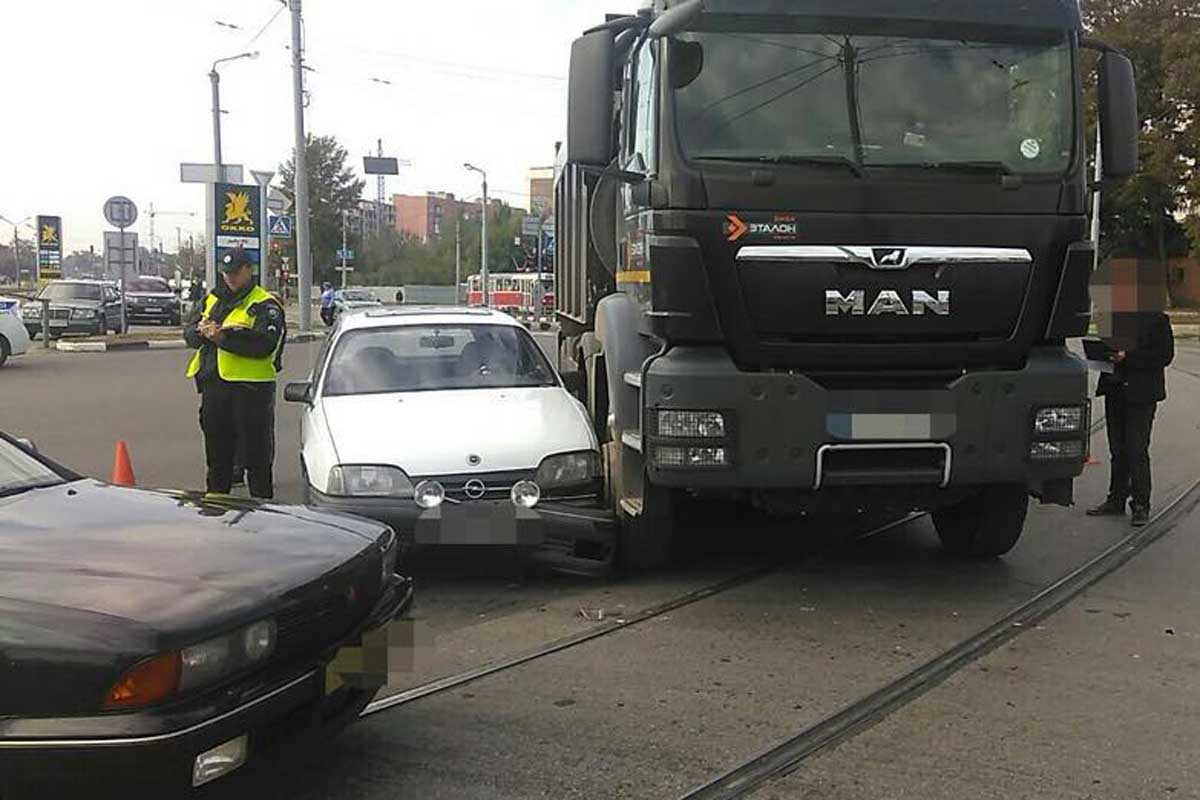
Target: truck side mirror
x=590 y=100
x=1119 y=124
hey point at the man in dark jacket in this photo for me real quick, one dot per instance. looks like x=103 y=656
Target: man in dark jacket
x=1131 y=395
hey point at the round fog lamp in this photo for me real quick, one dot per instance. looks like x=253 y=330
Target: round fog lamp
x=429 y=494
x=259 y=640
x=525 y=494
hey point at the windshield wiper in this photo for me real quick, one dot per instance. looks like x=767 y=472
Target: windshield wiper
x=990 y=167
x=821 y=161
x=8 y=491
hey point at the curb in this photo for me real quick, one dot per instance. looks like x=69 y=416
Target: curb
x=155 y=344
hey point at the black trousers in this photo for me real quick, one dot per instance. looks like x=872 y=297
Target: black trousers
x=1129 y=426
x=233 y=414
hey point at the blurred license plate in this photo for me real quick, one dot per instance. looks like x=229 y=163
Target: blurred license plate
x=152 y=310
x=59 y=323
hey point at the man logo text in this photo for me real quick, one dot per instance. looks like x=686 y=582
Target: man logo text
x=888 y=301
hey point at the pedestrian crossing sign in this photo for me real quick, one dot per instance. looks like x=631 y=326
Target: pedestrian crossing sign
x=281 y=227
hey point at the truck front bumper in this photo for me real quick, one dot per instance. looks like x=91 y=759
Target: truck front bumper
x=790 y=431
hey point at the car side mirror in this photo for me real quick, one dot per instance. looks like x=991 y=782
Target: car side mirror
x=298 y=392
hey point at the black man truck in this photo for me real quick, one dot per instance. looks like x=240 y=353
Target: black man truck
x=826 y=254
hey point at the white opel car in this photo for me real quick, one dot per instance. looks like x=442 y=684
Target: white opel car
x=14 y=338
x=450 y=425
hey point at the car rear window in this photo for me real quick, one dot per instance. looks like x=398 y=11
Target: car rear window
x=417 y=358
x=70 y=291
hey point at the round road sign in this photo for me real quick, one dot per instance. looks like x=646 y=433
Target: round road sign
x=120 y=212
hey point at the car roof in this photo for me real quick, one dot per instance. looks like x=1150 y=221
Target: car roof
x=393 y=316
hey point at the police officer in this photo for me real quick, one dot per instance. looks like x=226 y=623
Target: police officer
x=1131 y=395
x=238 y=334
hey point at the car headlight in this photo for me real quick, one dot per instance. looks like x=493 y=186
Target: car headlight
x=429 y=494
x=368 y=481
x=203 y=664
x=568 y=469
x=82 y=313
x=390 y=545
x=31 y=311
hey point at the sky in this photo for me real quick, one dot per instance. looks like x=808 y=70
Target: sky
x=110 y=97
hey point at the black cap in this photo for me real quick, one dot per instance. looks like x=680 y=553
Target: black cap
x=233 y=260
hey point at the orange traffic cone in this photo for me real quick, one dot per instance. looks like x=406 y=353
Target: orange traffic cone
x=122 y=472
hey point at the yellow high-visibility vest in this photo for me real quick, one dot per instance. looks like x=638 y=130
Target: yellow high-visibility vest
x=231 y=366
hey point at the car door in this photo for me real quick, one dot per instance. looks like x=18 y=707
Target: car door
x=112 y=308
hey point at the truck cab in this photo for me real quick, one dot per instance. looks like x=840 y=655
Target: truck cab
x=827 y=254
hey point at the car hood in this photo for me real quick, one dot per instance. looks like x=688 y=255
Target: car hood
x=360 y=303
x=170 y=563
x=434 y=433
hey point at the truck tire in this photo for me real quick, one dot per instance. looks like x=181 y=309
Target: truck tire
x=987 y=525
x=647 y=539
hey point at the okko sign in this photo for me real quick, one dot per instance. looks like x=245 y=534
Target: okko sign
x=238 y=219
x=49 y=248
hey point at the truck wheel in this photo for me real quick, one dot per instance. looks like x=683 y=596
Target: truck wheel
x=647 y=524
x=985 y=526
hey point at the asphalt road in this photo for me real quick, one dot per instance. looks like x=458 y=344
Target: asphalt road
x=658 y=708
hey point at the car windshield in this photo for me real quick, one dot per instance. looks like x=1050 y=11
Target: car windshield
x=147 y=285
x=70 y=291
x=358 y=296
x=20 y=471
x=422 y=358
x=878 y=101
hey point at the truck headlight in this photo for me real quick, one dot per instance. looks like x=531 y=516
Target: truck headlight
x=691 y=424
x=368 y=481
x=678 y=456
x=568 y=469
x=1069 y=450
x=1059 y=419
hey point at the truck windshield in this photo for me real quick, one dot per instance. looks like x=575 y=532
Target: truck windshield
x=878 y=101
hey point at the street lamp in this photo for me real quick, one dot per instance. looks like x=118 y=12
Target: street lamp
x=215 y=77
x=483 y=258
x=16 y=250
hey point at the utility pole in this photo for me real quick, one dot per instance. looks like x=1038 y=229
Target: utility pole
x=380 y=190
x=345 y=214
x=457 y=253
x=303 y=255
x=483 y=256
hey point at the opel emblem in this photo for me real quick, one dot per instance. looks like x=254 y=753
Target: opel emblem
x=474 y=460
x=475 y=489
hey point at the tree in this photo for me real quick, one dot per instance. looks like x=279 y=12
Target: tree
x=332 y=189
x=1162 y=38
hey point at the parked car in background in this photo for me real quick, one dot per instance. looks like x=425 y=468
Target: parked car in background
x=450 y=425
x=155 y=641
x=14 y=338
x=151 y=300
x=353 y=299
x=76 y=307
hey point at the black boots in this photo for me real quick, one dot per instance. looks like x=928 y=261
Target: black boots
x=1140 y=516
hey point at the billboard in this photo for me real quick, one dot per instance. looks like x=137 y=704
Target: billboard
x=49 y=247
x=238 y=220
